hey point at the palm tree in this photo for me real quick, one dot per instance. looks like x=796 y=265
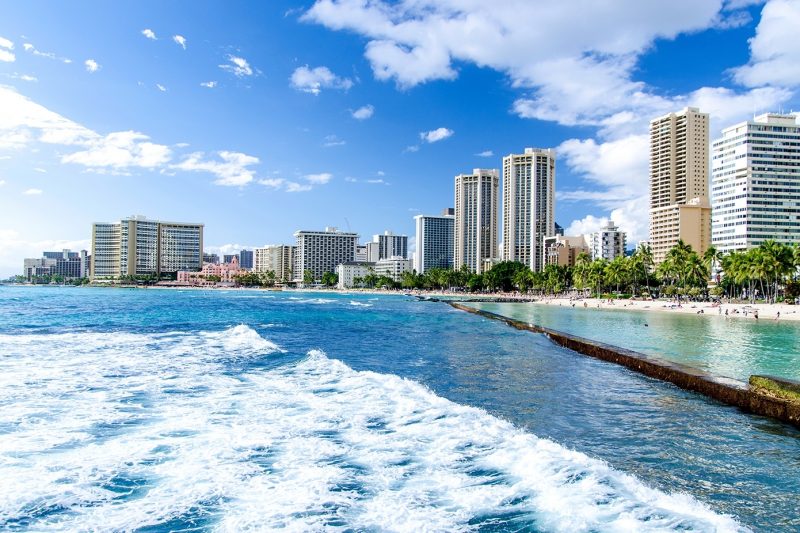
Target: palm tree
x=646 y=253
x=615 y=271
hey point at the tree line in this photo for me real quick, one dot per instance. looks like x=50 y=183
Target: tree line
x=769 y=271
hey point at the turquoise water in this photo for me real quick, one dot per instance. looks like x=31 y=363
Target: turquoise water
x=730 y=347
x=148 y=410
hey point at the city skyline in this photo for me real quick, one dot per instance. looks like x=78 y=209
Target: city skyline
x=258 y=121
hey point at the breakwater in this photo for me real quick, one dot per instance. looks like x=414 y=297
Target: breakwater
x=727 y=390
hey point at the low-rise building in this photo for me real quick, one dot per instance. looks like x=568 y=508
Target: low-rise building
x=66 y=264
x=212 y=274
x=351 y=272
x=393 y=267
x=563 y=250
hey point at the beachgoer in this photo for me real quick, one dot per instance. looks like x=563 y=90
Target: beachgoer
x=778 y=315
x=755 y=314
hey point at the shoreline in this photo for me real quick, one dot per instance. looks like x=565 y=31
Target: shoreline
x=725 y=390
x=742 y=310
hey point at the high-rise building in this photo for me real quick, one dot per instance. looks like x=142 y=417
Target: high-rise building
x=373 y=252
x=476 y=197
x=211 y=258
x=529 y=202
x=246 y=259
x=755 y=183
x=139 y=246
x=275 y=258
x=391 y=245
x=435 y=235
x=322 y=251
x=679 y=208
x=607 y=243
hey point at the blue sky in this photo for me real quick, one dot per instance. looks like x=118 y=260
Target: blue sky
x=261 y=118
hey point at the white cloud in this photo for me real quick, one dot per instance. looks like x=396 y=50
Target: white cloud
x=411 y=148
x=378 y=181
x=32 y=192
x=234 y=169
x=2 y=182
x=333 y=140
x=91 y=65
x=351 y=179
x=150 y=34
x=319 y=179
x=312 y=81
x=292 y=186
x=485 y=153
x=775 y=49
x=439 y=134
x=363 y=112
x=121 y=150
x=180 y=40
x=275 y=183
x=5 y=51
x=39 y=169
x=49 y=55
x=238 y=67
x=631 y=217
x=209 y=84
x=161 y=88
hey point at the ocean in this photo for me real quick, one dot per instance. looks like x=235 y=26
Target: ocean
x=167 y=410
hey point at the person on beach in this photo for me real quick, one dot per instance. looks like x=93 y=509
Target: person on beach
x=755 y=314
x=778 y=315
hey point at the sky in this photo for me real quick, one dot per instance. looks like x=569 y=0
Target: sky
x=262 y=118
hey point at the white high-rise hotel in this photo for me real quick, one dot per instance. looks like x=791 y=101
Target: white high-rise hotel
x=755 y=183
x=322 y=251
x=434 y=241
x=529 y=182
x=476 y=218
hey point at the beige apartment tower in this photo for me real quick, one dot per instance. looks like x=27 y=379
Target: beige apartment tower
x=138 y=246
x=476 y=224
x=679 y=207
x=529 y=201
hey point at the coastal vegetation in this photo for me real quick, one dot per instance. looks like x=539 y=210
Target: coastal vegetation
x=768 y=272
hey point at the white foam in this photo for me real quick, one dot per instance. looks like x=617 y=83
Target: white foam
x=359 y=304
x=309 y=446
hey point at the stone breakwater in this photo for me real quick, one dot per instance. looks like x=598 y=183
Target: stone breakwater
x=726 y=390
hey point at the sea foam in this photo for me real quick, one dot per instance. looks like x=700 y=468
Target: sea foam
x=123 y=431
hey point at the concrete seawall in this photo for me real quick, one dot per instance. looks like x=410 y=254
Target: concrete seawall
x=726 y=390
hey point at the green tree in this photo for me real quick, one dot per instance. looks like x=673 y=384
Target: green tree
x=308 y=277
x=329 y=279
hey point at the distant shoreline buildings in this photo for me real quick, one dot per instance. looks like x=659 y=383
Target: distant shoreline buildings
x=733 y=194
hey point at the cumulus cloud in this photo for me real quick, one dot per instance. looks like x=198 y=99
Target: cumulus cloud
x=439 y=134
x=485 y=153
x=150 y=34
x=774 y=51
x=180 y=40
x=313 y=80
x=363 y=112
x=119 y=151
x=209 y=84
x=233 y=170
x=23 y=77
x=32 y=192
x=2 y=182
x=6 y=54
x=238 y=66
x=161 y=88
x=91 y=65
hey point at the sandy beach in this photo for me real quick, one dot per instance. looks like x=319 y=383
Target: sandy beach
x=745 y=311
